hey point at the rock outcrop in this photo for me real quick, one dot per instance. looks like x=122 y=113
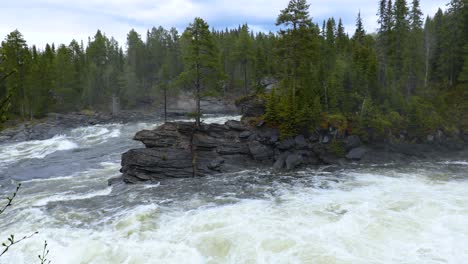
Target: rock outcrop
x=180 y=150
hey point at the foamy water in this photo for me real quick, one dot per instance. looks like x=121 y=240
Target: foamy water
x=413 y=213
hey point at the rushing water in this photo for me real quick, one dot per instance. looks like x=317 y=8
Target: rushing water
x=393 y=213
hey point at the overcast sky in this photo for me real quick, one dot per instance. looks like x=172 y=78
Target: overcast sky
x=60 y=21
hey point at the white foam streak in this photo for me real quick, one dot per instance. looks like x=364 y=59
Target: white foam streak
x=70 y=197
x=36 y=149
x=370 y=219
x=98 y=134
x=458 y=162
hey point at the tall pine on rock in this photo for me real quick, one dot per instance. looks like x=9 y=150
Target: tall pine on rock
x=201 y=68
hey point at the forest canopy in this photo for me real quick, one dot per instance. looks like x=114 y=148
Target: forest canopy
x=411 y=75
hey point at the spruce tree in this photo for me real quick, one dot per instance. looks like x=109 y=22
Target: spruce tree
x=201 y=68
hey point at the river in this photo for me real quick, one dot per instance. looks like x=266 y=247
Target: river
x=389 y=213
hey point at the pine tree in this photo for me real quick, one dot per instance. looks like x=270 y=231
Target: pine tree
x=297 y=45
x=244 y=53
x=15 y=53
x=415 y=49
x=360 y=32
x=201 y=68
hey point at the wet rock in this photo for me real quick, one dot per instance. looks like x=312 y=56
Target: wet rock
x=430 y=138
x=280 y=163
x=201 y=141
x=216 y=164
x=325 y=139
x=309 y=157
x=235 y=125
x=233 y=149
x=300 y=142
x=329 y=158
x=158 y=138
x=20 y=136
x=260 y=152
x=293 y=161
x=351 y=142
x=251 y=106
x=274 y=138
x=286 y=144
x=151 y=164
x=245 y=134
x=314 y=138
x=356 y=153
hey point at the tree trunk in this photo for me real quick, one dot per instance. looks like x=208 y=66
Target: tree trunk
x=197 y=97
x=245 y=79
x=165 y=104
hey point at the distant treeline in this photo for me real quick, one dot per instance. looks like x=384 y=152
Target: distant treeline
x=412 y=72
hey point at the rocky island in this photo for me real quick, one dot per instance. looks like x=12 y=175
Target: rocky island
x=183 y=150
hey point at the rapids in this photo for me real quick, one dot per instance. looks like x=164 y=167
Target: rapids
x=390 y=213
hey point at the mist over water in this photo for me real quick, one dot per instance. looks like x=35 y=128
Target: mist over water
x=391 y=213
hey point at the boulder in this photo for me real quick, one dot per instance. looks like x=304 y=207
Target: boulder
x=286 y=144
x=329 y=158
x=159 y=138
x=260 y=152
x=293 y=161
x=203 y=142
x=351 y=142
x=251 y=106
x=151 y=164
x=309 y=157
x=325 y=139
x=301 y=142
x=235 y=125
x=314 y=138
x=245 y=135
x=356 y=153
x=280 y=163
x=216 y=164
x=233 y=149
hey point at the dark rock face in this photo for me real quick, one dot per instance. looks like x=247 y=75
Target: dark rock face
x=293 y=161
x=351 y=142
x=251 y=106
x=286 y=144
x=356 y=153
x=179 y=150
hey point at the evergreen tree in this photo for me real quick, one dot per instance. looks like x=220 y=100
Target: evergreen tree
x=15 y=54
x=201 y=69
x=244 y=52
x=360 y=32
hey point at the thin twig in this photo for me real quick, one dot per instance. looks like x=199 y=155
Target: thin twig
x=10 y=199
x=45 y=252
x=11 y=241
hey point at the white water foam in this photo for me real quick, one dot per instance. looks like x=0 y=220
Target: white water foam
x=93 y=135
x=370 y=219
x=456 y=162
x=68 y=196
x=36 y=149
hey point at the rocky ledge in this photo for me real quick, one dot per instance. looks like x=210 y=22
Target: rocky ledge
x=181 y=150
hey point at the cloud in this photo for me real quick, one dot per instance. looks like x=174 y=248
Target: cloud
x=60 y=21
